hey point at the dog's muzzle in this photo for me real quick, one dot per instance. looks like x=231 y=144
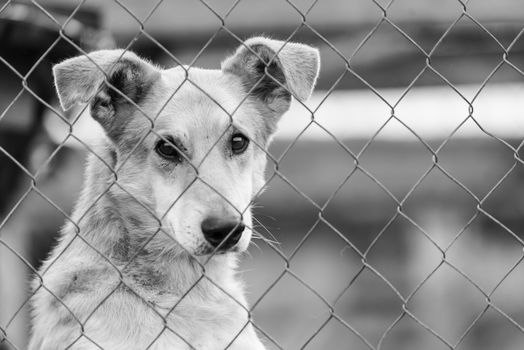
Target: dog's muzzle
x=223 y=233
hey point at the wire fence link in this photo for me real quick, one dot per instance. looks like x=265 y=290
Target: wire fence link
x=405 y=299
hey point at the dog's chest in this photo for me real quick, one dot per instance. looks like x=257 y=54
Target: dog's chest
x=206 y=317
x=202 y=327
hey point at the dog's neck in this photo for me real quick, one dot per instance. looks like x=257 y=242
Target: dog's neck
x=114 y=225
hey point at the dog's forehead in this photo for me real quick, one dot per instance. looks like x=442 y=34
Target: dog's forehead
x=207 y=86
x=202 y=98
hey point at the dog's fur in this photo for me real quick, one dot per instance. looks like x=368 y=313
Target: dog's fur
x=133 y=269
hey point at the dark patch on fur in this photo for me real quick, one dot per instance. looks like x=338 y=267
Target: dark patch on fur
x=115 y=103
x=121 y=249
x=147 y=277
x=66 y=319
x=113 y=157
x=135 y=222
x=262 y=74
x=263 y=77
x=268 y=77
x=129 y=78
x=109 y=218
x=79 y=282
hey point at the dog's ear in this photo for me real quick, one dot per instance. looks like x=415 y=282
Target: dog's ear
x=111 y=80
x=273 y=71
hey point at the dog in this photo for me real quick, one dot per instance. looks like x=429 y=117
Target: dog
x=148 y=257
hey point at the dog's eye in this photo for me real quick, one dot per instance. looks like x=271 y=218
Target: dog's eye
x=167 y=150
x=239 y=143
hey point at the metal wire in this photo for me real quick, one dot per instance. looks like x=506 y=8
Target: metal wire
x=354 y=157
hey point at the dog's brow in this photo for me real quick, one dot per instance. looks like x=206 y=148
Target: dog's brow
x=177 y=139
x=237 y=127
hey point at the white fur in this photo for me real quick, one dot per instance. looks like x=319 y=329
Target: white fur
x=134 y=269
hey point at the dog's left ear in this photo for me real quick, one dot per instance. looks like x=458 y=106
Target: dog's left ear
x=113 y=81
x=273 y=71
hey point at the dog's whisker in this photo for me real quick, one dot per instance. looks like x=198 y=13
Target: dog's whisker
x=266 y=216
x=261 y=224
x=266 y=240
x=254 y=244
x=258 y=235
x=266 y=229
x=248 y=254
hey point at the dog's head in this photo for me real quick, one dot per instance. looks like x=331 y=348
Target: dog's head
x=190 y=143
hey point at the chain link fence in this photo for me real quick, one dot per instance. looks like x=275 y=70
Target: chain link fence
x=430 y=256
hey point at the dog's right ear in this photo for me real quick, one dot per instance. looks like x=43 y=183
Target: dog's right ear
x=272 y=72
x=111 y=80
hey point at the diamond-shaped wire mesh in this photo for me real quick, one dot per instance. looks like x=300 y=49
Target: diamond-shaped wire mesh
x=389 y=236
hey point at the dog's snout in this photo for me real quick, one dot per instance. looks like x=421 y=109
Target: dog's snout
x=225 y=231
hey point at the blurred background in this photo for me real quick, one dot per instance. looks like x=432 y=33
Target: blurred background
x=398 y=210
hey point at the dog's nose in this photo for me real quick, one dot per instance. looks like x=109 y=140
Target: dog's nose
x=225 y=231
